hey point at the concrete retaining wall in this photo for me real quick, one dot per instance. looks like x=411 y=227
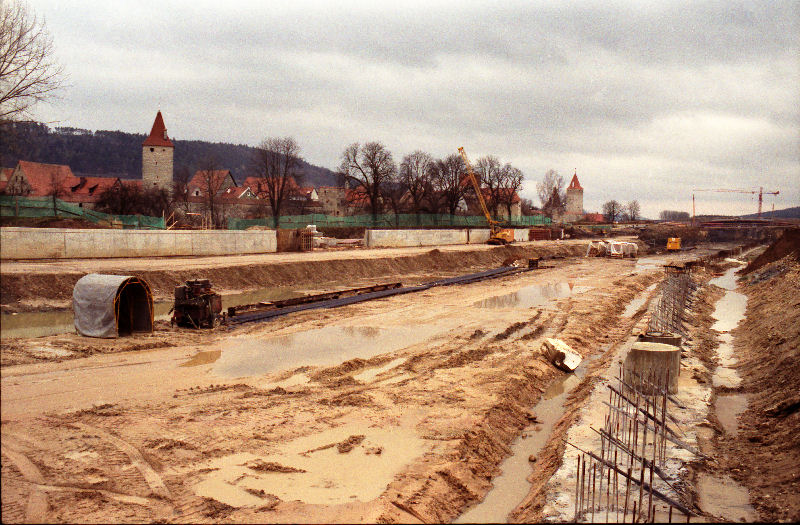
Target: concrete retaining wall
x=58 y=243
x=400 y=238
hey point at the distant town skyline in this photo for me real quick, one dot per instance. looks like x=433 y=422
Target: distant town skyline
x=646 y=102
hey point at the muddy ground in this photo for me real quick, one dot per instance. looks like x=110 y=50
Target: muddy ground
x=396 y=410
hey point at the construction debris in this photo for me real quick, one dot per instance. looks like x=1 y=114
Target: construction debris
x=606 y=248
x=561 y=355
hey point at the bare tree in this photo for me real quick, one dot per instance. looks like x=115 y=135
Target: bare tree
x=277 y=165
x=551 y=193
x=612 y=210
x=28 y=73
x=210 y=181
x=448 y=181
x=56 y=187
x=527 y=207
x=371 y=167
x=416 y=171
x=489 y=172
x=633 y=210
x=673 y=215
x=510 y=183
x=126 y=198
x=180 y=189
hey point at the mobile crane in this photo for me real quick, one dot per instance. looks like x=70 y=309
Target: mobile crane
x=497 y=234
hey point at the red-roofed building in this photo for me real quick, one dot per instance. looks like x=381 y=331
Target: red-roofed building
x=594 y=217
x=205 y=182
x=37 y=179
x=5 y=174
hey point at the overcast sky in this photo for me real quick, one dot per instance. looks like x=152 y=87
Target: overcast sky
x=646 y=100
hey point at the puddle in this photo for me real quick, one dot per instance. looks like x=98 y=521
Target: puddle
x=203 y=358
x=725 y=498
x=38 y=324
x=728 y=279
x=368 y=375
x=511 y=486
x=313 y=471
x=728 y=312
x=530 y=296
x=728 y=408
x=325 y=346
x=638 y=301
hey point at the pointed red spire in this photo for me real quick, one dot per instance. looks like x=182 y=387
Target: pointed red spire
x=158 y=135
x=574 y=184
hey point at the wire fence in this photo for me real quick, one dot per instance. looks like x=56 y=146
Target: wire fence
x=403 y=220
x=39 y=207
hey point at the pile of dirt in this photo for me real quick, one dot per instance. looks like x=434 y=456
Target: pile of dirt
x=787 y=244
x=656 y=235
x=766 y=453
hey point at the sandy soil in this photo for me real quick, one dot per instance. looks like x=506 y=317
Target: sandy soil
x=397 y=410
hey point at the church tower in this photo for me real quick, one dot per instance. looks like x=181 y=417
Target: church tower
x=157 y=152
x=574 y=209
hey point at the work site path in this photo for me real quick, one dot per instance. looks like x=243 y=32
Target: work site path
x=421 y=394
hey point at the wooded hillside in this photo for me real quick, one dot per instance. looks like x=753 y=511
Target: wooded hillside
x=116 y=153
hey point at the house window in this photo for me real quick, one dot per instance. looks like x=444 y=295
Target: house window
x=152 y=150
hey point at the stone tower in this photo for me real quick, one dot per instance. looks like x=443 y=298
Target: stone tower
x=157 y=152
x=574 y=210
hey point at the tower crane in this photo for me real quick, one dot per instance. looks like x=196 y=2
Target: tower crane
x=760 y=193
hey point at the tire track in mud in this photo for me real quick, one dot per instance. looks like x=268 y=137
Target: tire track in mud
x=151 y=477
x=37 y=505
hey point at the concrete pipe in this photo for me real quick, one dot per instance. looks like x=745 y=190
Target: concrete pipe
x=649 y=363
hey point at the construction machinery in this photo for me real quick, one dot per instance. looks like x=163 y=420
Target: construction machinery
x=497 y=235
x=674 y=244
x=760 y=193
x=197 y=305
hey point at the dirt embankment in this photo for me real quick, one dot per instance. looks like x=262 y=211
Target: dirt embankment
x=766 y=453
x=27 y=291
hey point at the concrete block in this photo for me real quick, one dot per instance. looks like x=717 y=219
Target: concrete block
x=561 y=354
x=645 y=360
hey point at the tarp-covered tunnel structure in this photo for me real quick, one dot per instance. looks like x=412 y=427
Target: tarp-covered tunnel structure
x=112 y=305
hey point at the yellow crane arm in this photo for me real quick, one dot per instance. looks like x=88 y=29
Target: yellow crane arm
x=477 y=187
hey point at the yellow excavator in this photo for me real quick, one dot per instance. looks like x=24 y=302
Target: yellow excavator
x=497 y=235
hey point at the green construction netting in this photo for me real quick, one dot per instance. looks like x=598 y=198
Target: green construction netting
x=403 y=220
x=13 y=206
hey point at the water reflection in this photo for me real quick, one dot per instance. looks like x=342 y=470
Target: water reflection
x=534 y=295
x=325 y=346
x=38 y=324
